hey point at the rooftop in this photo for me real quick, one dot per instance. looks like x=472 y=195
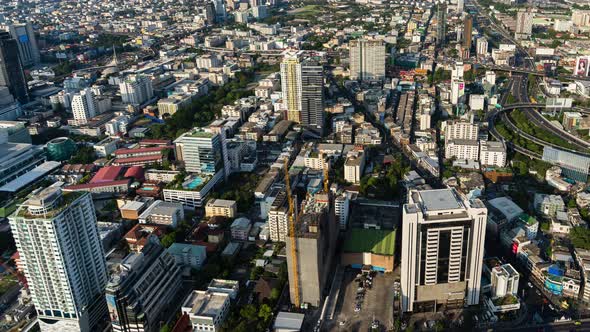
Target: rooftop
x=376 y=241
x=205 y=303
x=289 y=321
x=439 y=199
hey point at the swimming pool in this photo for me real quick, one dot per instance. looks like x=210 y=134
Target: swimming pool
x=194 y=183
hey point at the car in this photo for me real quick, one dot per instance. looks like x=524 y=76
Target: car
x=538 y=293
x=529 y=284
x=357 y=309
x=551 y=307
x=342 y=323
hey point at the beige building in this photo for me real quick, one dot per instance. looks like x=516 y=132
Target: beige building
x=221 y=207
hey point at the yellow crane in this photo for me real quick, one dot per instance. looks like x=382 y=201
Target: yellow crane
x=326 y=171
x=292 y=238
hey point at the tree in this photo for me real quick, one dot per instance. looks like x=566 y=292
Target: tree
x=256 y=272
x=168 y=239
x=166 y=328
x=275 y=293
x=248 y=312
x=265 y=312
x=580 y=237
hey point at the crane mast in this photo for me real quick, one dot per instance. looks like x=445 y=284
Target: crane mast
x=292 y=239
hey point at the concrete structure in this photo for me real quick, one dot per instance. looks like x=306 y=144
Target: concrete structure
x=315 y=238
x=524 y=24
x=459 y=129
x=354 y=166
x=203 y=151
x=462 y=149
x=302 y=82
x=84 y=106
x=504 y=279
x=574 y=166
x=548 y=205
x=221 y=207
x=367 y=60
x=188 y=255
x=163 y=213
x=288 y=322
x=240 y=229
x=56 y=236
x=17 y=159
x=136 y=90
x=207 y=310
x=492 y=153
x=442 y=250
x=278 y=217
x=482 y=47
x=143 y=290
x=28 y=50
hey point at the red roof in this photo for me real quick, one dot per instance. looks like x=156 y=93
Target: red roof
x=97 y=185
x=135 y=172
x=106 y=174
x=144 y=142
x=142 y=150
x=141 y=159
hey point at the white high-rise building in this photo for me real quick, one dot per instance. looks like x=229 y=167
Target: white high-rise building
x=203 y=151
x=278 y=218
x=490 y=77
x=458 y=71
x=367 y=60
x=442 y=250
x=492 y=153
x=354 y=166
x=136 y=90
x=581 y=17
x=84 y=106
x=504 y=280
x=460 y=130
x=482 y=47
x=524 y=24
x=57 y=237
x=460 y=6
x=457 y=91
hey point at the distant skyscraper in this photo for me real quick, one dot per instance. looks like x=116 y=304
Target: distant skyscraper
x=11 y=69
x=443 y=238
x=367 y=60
x=60 y=249
x=136 y=90
x=467 y=33
x=27 y=43
x=524 y=24
x=220 y=12
x=84 y=105
x=460 y=6
x=302 y=82
x=441 y=27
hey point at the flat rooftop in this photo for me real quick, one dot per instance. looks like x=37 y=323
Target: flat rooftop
x=439 y=199
x=204 y=303
x=376 y=241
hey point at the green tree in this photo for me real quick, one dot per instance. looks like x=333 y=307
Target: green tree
x=168 y=239
x=265 y=312
x=249 y=312
x=275 y=293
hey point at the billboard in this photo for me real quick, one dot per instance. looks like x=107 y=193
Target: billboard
x=581 y=66
x=112 y=306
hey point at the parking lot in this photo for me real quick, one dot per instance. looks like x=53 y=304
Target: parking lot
x=377 y=303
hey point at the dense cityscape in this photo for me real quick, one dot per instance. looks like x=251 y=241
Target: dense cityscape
x=294 y=165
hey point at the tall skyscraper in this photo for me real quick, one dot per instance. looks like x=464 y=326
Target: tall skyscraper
x=27 y=42
x=302 y=80
x=442 y=250
x=467 y=33
x=524 y=24
x=136 y=89
x=11 y=69
x=60 y=249
x=441 y=23
x=220 y=12
x=367 y=60
x=84 y=105
x=142 y=292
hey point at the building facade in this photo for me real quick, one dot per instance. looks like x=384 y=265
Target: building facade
x=56 y=235
x=367 y=60
x=11 y=68
x=442 y=250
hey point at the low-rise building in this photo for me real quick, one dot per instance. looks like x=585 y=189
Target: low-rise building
x=188 y=255
x=163 y=213
x=240 y=229
x=207 y=310
x=221 y=207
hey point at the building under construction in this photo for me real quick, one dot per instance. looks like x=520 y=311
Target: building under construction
x=315 y=232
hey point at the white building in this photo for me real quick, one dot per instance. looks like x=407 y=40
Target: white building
x=354 y=165
x=476 y=102
x=207 y=310
x=278 y=218
x=524 y=24
x=492 y=153
x=462 y=149
x=106 y=147
x=162 y=213
x=60 y=249
x=460 y=130
x=504 y=280
x=482 y=47
x=367 y=60
x=136 y=89
x=117 y=126
x=342 y=208
x=84 y=106
x=442 y=250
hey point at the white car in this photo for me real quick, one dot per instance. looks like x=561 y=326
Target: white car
x=529 y=284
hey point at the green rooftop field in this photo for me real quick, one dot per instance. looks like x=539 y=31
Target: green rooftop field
x=377 y=241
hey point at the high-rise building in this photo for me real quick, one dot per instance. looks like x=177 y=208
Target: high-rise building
x=459 y=129
x=315 y=237
x=136 y=90
x=201 y=151
x=84 y=106
x=367 y=60
x=442 y=250
x=524 y=24
x=11 y=68
x=143 y=291
x=460 y=6
x=581 y=17
x=57 y=237
x=220 y=12
x=457 y=91
x=278 y=218
x=441 y=25
x=467 y=33
x=302 y=82
x=458 y=71
x=482 y=47
x=573 y=165
x=27 y=43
